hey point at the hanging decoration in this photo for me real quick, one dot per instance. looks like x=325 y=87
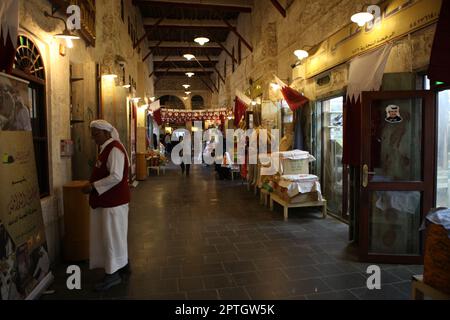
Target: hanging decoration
x=294 y=99
x=9 y=29
x=182 y=116
x=241 y=104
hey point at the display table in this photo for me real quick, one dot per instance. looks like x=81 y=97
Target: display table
x=76 y=222
x=286 y=205
x=420 y=290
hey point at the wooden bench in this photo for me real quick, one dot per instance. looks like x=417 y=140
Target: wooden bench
x=287 y=205
x=420 y=290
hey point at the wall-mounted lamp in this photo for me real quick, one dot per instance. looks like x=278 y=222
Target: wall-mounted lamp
x=373 y=12
x=152 y=99
x=66 y=35
x=361 y=18
x=301 y=54
x=127 y=86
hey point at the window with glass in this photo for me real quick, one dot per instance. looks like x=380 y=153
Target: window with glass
x=443 y=156
x=28 y=65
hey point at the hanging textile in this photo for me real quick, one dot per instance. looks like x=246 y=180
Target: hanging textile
x=299 y=143
x=365 y=74
x=241 y=104
x=294 y=99
x=366 y=71
x=9 y=28
x=439 y=69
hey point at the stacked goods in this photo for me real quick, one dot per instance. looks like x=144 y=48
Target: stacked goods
x=298 y=188
x=295 y=162
x=437 y=250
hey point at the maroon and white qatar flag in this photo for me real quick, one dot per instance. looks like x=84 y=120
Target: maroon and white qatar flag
x=294 y=99
x=241 y=104
x=9 y=29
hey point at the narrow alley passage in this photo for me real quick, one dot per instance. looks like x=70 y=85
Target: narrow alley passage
x=200 y=238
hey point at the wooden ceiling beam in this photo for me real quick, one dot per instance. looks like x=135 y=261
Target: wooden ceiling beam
x=188 y=23
x=234 y=30
x=181 y=59
x=279 y=7
x=147 y=32
x=151 y=51
x=182 y=44
x=217 y=5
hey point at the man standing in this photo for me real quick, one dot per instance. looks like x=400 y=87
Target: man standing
x=109 y=198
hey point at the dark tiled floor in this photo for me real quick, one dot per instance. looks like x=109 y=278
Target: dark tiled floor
x=199 y=238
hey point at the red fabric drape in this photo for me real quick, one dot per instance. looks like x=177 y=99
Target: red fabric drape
x=439 y=69
x=293 y=98
x=157 y=117
x=352 y=132
x=7 y=53
x=239 y=111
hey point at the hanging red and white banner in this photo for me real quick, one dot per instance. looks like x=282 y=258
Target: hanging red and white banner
x=181 y=116
x=293 y=98
x=9 y=30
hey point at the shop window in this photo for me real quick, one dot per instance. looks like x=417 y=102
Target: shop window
x=28 y=65
x=443 y=156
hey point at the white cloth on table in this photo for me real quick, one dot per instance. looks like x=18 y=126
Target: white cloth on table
x=300 y=184
x=109 y=226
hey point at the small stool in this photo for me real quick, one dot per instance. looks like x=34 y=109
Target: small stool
x=264 y=197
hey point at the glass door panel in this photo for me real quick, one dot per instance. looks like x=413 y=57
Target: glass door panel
x=332 y=113
x=443 y=152
x=398 y=134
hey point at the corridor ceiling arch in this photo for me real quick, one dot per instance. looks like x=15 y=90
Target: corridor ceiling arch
x=172 y=102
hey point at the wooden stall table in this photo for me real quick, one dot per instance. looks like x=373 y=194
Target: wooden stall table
x=286 y=205
x=76 y=222
x=420 y=290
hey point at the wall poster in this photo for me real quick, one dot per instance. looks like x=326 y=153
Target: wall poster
x=24 y=260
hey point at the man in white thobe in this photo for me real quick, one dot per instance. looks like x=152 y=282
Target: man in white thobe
x=109 y=197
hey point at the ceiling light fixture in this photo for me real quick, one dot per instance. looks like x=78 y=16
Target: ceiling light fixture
x=201 y=40
x=190 y=74
x=189 y=56
x=186 y=86
x=362 y=18
x=188 y=93
x=127 y=86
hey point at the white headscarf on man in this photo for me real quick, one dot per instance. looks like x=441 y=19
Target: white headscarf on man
x=106 y=126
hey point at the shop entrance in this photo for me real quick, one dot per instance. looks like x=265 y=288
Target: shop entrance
x=330 y=151
x=397 y=174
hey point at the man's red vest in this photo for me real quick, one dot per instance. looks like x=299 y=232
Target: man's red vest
x=120 y=193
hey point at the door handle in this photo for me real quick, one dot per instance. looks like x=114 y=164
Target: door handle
x=366 y=175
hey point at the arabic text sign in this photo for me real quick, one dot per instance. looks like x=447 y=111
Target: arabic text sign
x=398 y=19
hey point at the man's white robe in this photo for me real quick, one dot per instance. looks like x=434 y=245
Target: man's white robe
x=109 y=226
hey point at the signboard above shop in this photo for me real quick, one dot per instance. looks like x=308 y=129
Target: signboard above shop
x=397 y=19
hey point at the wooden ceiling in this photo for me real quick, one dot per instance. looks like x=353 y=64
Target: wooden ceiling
x=171 y=27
